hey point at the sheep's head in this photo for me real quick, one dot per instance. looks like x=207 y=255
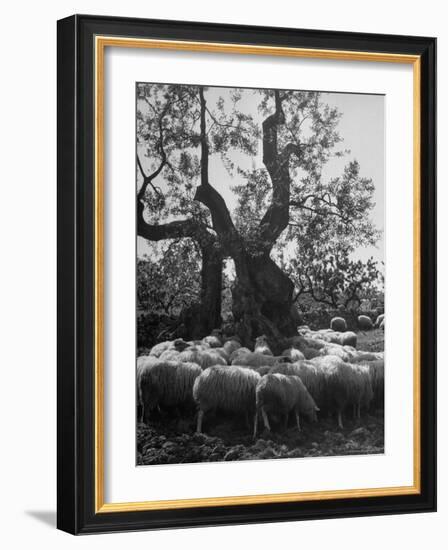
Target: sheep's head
x=312 y=411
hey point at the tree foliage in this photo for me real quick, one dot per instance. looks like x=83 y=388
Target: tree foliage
x=171 y=282
x=291 y=228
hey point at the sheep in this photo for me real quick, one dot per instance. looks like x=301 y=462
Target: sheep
x=230 y=346
x=283 y=394
x=376 y=371
x=238 y=353
x=379 y=320
x=334 y=349
x=166 y=384
x=338 y=324
x=294 y=354
x=142 y=362
x=262 y=346
x=177 y=345
x=309 y=353
x=299 y=342
x=363 y=389
x=204 y=358
x=169 y=355
x=313 y=378
x=230 y=389
x=365 y=322
x=214 y=340
x=342 y=387
x=362 y=356
x=258 y=360
x=348 y=339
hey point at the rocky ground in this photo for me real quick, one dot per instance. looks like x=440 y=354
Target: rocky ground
x=166 y=442
x=170 y=440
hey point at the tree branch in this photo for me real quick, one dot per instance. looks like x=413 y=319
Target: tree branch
x=276 y=218
x=205 y=193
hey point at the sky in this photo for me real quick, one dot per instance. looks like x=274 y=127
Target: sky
x=362 y=130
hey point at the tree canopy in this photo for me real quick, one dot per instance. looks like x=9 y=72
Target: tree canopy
x=289 y=228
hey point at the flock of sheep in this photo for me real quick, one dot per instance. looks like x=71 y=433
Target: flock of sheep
x=319 y=372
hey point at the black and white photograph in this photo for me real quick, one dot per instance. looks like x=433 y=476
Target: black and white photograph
x=260 y=273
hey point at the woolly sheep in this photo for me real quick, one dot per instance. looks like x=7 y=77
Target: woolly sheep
x=365 y=322
x=282 y=394
x=204 y=358
x=334 y=349
x=166 y=383
x=362 y=356
x=363 y=388
x=294 y=354
x=262 y=346
x=169 y=355
x=342 y=387
x=214 y=340
x=258 y=360
x=238 y=353
x=230 y=346
x=379 y=320
x=177 y=345
x=310 y=353
x=230 y=389
x=348 y=339
x=143 y=362
x=376 y=371
x=338 y=324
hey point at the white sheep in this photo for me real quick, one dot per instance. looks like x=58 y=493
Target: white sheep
x=262 y=346
x=229 y=389
x=166 y=384
x=365 y=322
x=294 y=354
x=282 y=394
x=379 y=320
x=253 y=359
x=338 y=324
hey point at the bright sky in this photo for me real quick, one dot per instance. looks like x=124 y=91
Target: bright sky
x=362 y=129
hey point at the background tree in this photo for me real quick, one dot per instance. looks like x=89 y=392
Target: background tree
x=285 y=205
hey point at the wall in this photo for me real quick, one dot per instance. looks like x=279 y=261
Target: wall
x=28 y=274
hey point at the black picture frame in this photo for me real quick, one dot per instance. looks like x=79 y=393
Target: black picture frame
x=76 y=255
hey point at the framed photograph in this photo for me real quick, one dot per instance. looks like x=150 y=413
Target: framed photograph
x=246 y=274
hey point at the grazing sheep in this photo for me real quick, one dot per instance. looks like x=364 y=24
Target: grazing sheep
x=166 y=384
x=169 y=355
x=177 y=345
x=362 y=356
x=310 y=353
x=294 y=354
x=365 y=322
x=213 y=341
x=379 y=320
x=348 y=339
x=258 y=360
x=230 y=346
x=238 y=353
x=142 y=362
x=342 y=387
x=203 y=357
x=262 y=346
x=338 y=324
x=376 y=370
x=222 y=352
x=335 y=349
x=282 y=394
x=230 y=389
x=363 y=390
x=315 y=342
x=299 y=342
